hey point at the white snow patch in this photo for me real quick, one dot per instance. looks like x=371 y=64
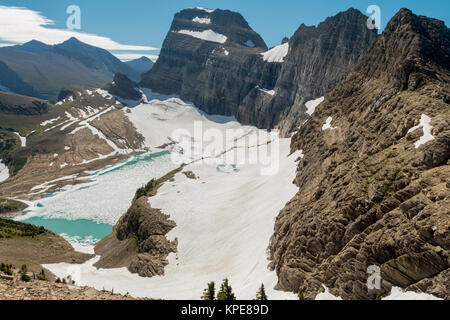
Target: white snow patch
x=399 y=294
x=276 y=54
x=105 y=94
x=4 y=172
x=326 y=295
x=271 y=92
x=208 y=35
x=23 y=140
x=204 y=9
x=312 y=105
x=327 y=124
x=51 y=121
x=202 y=20
x=426 y=127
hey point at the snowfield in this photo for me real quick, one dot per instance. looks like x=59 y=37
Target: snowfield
x=224 y=224
x=202 y=20
x=276 y=54
x=4 y=172
x=23 y=140
x=208 y=35
x=313 y=104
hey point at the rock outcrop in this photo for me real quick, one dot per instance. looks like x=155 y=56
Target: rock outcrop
x=215 y=60
x=374 y=183
x=123 y=87
x=138 y=240
x=12 y=288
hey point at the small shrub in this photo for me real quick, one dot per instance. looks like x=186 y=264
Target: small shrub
x=24 y=277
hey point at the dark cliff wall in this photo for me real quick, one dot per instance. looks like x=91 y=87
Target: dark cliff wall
x=225 y=78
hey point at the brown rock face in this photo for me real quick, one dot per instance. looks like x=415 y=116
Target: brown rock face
x=367 y=195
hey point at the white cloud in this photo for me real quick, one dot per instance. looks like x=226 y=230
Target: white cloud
x=132 y=56
x=20 y=25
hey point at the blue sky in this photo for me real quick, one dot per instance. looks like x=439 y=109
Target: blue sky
x=146 y=22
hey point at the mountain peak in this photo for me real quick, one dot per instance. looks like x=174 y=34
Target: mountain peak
x=223 y=26
x=34 y=46
x=409 y=44
x=143 y=59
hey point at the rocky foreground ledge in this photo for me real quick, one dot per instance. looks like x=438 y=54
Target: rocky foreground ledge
x=12 y=288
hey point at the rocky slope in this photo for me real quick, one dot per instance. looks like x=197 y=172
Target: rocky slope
x=214 y=59
x=374 y=180
x=12 y=288
x=85 y=131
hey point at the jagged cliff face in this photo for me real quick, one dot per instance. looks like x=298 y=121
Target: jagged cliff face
x=227 y=74
x=374 y=183
x=123 y=87
x=318 y=59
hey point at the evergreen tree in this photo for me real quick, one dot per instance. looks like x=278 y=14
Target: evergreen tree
x=210 y=292
x=261 y=294
x=42 y=275
x=300 y=294
x=226 y=292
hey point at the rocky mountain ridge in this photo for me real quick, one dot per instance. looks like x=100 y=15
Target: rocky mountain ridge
x=374 y=179
x=228 y=70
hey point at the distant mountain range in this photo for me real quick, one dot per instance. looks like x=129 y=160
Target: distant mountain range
x=41 y=70
x=140 y=65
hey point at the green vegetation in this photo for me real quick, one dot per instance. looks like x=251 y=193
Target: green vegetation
x=300 y=294
x=210 y=292
x=8 y=142
x=143 y=191
x=226 y=292
x=8 y=205
x=18 y=164
x=15 y=229
x=151 y=187
x=42 y=276
x=261 y=294
x=23 y=273
x=6 y=268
